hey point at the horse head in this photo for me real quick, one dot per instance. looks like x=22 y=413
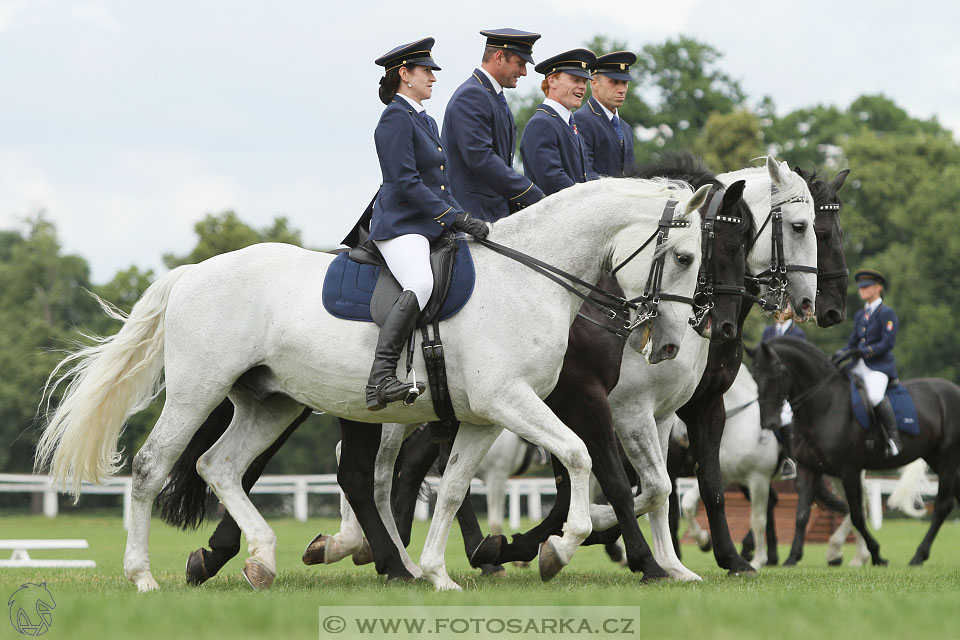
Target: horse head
x=797 y=239
x=769 y=371
x=832 y=273
x=662 y=318
x=732 y=235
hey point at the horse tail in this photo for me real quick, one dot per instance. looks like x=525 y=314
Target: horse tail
x=183 y=498
x=108 y=382
x=905 y=494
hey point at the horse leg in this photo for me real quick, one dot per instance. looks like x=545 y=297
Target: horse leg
x=225 y=541
x=496 y=482
x=467 y=520
x=837 y=539
x=689 y=505
x=852 y=486
x=773 y=556
x=417 y=455
x=947 y=476
x=674 y=516
x=759 y=498
x=469 y=447
x=805 y=490
x=356 y=475
x=177 y=423
x=255 y=426
x=705 y=439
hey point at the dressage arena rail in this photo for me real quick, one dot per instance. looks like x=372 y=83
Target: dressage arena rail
x=301 y=486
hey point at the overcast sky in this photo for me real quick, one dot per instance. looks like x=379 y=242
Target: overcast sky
x=128 y=121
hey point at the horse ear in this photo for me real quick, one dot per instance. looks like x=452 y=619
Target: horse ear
x=750 y=351
x=803 y=174
x=697 y=200
x=837 y=182
x=768 y=351
x=734 y=192
x=774 y=170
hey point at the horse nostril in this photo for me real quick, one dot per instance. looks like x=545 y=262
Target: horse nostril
x=729 y=330
x=670 y=351
x=806 y=306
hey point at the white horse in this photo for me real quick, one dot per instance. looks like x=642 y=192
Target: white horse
x=504 y=459
x=645 y=401
x=249 y=325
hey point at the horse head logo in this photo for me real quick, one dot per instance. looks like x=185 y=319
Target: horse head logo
x=31 y=609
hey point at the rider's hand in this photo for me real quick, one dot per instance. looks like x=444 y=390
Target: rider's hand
x=468 y=224
x=841 y=355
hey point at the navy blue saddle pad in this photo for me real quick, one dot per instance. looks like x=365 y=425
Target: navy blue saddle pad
x=348 y=286
x=902 y=404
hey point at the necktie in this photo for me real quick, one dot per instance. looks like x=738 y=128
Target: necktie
x=866 y=313
x=616 y=125
x=503 y=101
x=426 y=118
x=573 y=125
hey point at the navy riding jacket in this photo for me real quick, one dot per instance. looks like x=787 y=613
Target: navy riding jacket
x=415 y=196
x=479 y=136
x=605 y=154
x=552 y=154
x=875 y=337
x=793 y=331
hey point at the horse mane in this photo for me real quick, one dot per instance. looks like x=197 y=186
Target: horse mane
x=808 y=349
x=686 y=166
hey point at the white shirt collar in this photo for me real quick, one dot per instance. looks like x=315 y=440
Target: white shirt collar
x=783 y=328
x=870 y=308
x=496 y=85
x=561 y=110
x=609 y=113
x=413 y=103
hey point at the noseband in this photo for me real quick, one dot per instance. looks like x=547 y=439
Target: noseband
x=776 y=276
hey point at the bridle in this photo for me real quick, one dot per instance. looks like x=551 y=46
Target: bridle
x=776 y=276
x=707 y=288
x=843 y=272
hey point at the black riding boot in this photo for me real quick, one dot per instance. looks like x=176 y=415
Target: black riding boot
x=888 y=425
x=787 y=466
x=383 y=386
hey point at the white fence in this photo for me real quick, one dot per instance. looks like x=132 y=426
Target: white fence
x=300 y=487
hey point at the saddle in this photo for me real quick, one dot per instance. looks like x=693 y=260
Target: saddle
x=387 y=290
x=900 y=399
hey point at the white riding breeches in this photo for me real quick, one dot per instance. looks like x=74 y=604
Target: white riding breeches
x=408 y=257
x=874 y=381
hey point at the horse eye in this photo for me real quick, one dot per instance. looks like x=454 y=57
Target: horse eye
x=799 y=227
x=684 y=259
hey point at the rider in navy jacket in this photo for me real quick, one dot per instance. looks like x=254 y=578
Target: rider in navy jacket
x=553 y=156
x=874 y=334
x=413 y=207
x=479 y=133
x=607 y=140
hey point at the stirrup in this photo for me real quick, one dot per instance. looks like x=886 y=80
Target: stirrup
x=893 y=450
x=788 y=469
x=376 y=399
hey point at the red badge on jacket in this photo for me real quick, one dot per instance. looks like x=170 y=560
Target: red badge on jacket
x=889 y=325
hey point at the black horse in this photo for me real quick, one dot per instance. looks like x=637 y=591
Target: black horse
x=831 y=441
x=591 y=369
x=831 y=309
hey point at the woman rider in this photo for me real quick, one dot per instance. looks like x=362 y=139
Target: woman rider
x=413 y=208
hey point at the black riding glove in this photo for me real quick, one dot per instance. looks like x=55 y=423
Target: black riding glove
x=841 y=355
x=468 y=224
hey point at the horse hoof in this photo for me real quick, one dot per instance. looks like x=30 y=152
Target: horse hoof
x=521 y=564
x=836 y=562
x=364 y=555
x=916 y=562
x=487 y=552
x=549 y=560
x=401 y=576
x=196 y=569
x=495 y=570
x=315 y=551
x=880 y=562
x=258 y=575
x=742 y=569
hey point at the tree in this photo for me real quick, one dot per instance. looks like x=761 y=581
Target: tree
x=730 y=141
x=218 y=234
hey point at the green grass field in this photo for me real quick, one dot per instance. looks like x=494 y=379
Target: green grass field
x=811 y=601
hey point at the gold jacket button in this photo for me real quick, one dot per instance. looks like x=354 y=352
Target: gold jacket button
x=443 y=188
x=439 y=148
x=441 y=167
x=442 y=225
